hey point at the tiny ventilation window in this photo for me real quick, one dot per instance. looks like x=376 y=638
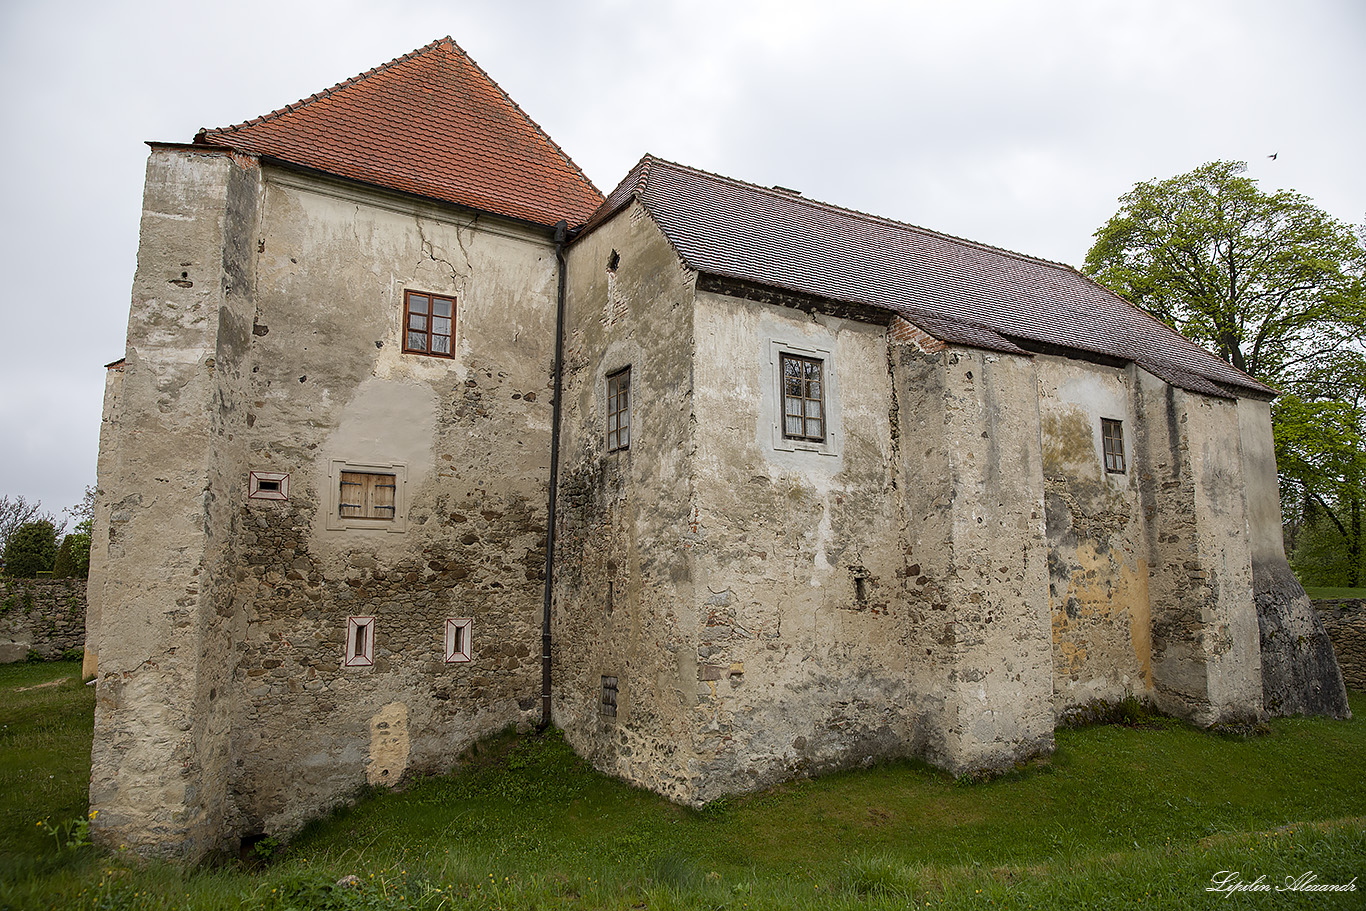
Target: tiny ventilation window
x=608 y=706
x=613 y=261
x=458 y=640
x=268 y=485
x=360 y=641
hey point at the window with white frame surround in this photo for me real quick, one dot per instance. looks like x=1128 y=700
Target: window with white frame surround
x=805 y=403
x=268 y=485
x=458 y=639
x=360 y=641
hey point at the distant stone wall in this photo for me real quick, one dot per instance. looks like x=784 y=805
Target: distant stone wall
x=1345 y=621
x=46 y=616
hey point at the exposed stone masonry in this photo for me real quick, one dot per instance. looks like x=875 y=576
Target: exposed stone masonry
x=1345 y=621
x=44 y=616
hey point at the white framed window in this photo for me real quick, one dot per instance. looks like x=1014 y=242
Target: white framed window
x=367 y=495
x=458 y=633
x=360 y=641
x=268 y=485
x=802 y=398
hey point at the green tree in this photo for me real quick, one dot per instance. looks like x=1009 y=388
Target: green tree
x=31 y=549
x=1269 y=282
x=1273 y=285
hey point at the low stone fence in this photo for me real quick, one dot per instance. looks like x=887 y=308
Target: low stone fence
x=1345 y=621
x=45 y=617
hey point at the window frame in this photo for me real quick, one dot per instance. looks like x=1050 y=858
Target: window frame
x=610 y=697
x=359 y=657
x=397 y=470
x=616 y=409
x=459 y=631
x=1112 y=446
x=774 y=398
x=803 y=417
x=268 y=485
x=427 y=316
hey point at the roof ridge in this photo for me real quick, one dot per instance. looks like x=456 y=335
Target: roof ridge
x=346 y=83
x=867 y=216
x=518 y=108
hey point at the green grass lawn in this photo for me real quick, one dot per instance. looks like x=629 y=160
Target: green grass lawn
x=1119 y=817
x=1317 y=593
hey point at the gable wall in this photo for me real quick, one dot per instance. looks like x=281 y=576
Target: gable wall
x=471 y=435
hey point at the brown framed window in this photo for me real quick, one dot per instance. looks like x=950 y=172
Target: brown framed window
x=428 y=324
x=360 y=641
x=1112 y=441
x=619 y=410
x=803 y=398
x=363 y=495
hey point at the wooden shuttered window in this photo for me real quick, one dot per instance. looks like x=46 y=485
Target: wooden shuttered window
x=366 y=496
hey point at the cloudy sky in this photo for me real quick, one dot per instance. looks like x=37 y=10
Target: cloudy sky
x=1017 y=124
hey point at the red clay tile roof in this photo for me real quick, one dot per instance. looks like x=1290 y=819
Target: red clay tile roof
x=431 y=123
x=956 y=290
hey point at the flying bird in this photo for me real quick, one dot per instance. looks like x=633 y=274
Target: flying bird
x=1273 y=155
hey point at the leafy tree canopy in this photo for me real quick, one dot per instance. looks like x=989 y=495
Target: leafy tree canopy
x=1273 y=285
x=16 y=511
x=31 y=549
x=1269 y=282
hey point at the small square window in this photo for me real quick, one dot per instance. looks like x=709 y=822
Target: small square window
x=268 y=485
x=360 y=641
x=803 y=398
x=458 y=640
x=619 y=410
x=608 y=705
x=1112 y=440
x=428 y=324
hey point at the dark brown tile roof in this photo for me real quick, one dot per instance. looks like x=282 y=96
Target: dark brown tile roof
x=956 y=290
x=431 y=123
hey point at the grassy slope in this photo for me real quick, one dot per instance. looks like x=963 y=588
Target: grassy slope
x=1317 y=593
x=1120 y=817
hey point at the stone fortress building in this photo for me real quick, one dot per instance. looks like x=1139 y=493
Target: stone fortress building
x=812 y=486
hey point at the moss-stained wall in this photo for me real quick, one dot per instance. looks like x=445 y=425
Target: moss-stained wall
x=163 y=555
x=265 y=336
x=1097 y=547
x=627 y=525
x=329 y=383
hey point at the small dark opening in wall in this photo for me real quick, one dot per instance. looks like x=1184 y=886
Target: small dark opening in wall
x=613 y=261
x=267 y=485
x=611 y=594
x=246 y=852
x=861 y=589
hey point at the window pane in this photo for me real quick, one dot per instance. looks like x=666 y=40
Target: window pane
x=625 y=437
x=612 y=424
x=793 y=386
x=417 y=303
x=794 y=426
x=813 y=409
x=441 y=307
x=440 y=326
x=441 y=344
x=416 y=321
x=813 y=428
x=417 y=341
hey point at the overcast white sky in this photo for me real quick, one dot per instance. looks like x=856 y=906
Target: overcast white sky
x=1017 y=124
